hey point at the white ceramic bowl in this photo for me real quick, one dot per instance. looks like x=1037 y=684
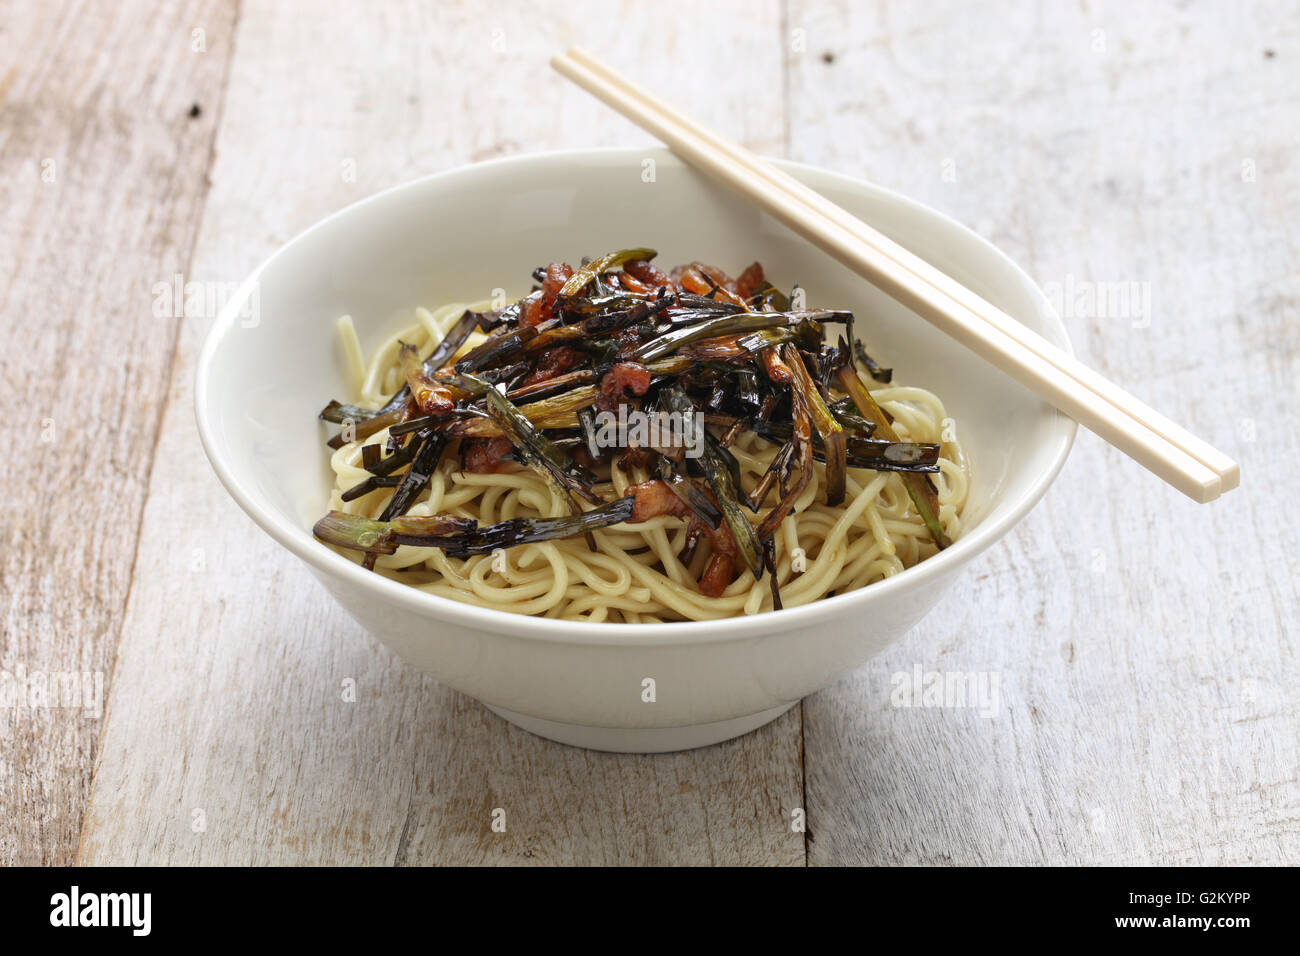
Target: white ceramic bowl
x=456 y=236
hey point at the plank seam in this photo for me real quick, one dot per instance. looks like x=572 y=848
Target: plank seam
x=219 y=111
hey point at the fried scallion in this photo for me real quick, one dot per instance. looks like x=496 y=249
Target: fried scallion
x=584 y=274
x=556 y=466
x=718 y=474
x=431 y=397
x=735 y=357
x=685 y=489
x=417 y=477
x=461 y=537
x=708 y=329
x=882 y=375
x=804 y=391
x=919 y=487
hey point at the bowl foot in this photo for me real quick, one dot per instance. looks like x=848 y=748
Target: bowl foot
x=648 y=741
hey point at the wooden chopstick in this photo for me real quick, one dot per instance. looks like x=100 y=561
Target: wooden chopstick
x=1186 y=462
x=1227 y=469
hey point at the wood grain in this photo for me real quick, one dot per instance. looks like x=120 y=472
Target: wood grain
x=1143 y=644
x=102 y=179
x=228 y=739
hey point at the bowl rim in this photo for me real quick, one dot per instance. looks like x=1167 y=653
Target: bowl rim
x=447 y=610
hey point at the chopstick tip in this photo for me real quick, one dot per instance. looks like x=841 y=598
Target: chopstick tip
x=1230 y=477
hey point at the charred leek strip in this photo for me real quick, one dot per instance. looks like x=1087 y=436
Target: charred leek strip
x=706 y=306
x=882 y=375
x=552 y=463
x=584 y=305
x=517 y=531
x=461 y=537
x=370 y=484
x=708 y=329
x=452 y=341
x=691 y=496
x=340 y=414
x=584 y=274
x=442 y=353
x=587 y=421
x=847 y=413
x=416 y=478
x=607 y=323
x=554 y=386
x=779 y=468
x=558 y=411
x=868 y=452
x=496 y=348
x=364 y=429
x=919 y=487
x=403 y=456
x=729 y=348
x=718 y=474
x=801 y=432
x=769 y=561
x=360 y=533
x=431 y=397
x=805 y=390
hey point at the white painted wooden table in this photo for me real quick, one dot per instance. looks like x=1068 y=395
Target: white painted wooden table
x=1143 y=646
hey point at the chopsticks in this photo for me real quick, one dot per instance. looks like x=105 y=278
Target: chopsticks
x=1169 y=451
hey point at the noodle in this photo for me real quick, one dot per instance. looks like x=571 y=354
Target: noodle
x=636 y=575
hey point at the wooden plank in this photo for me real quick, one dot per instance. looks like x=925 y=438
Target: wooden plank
x=1142 y=642
x=228 y=740
x=102 y=178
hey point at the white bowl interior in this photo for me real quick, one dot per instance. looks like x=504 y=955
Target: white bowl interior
x=459 y=236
